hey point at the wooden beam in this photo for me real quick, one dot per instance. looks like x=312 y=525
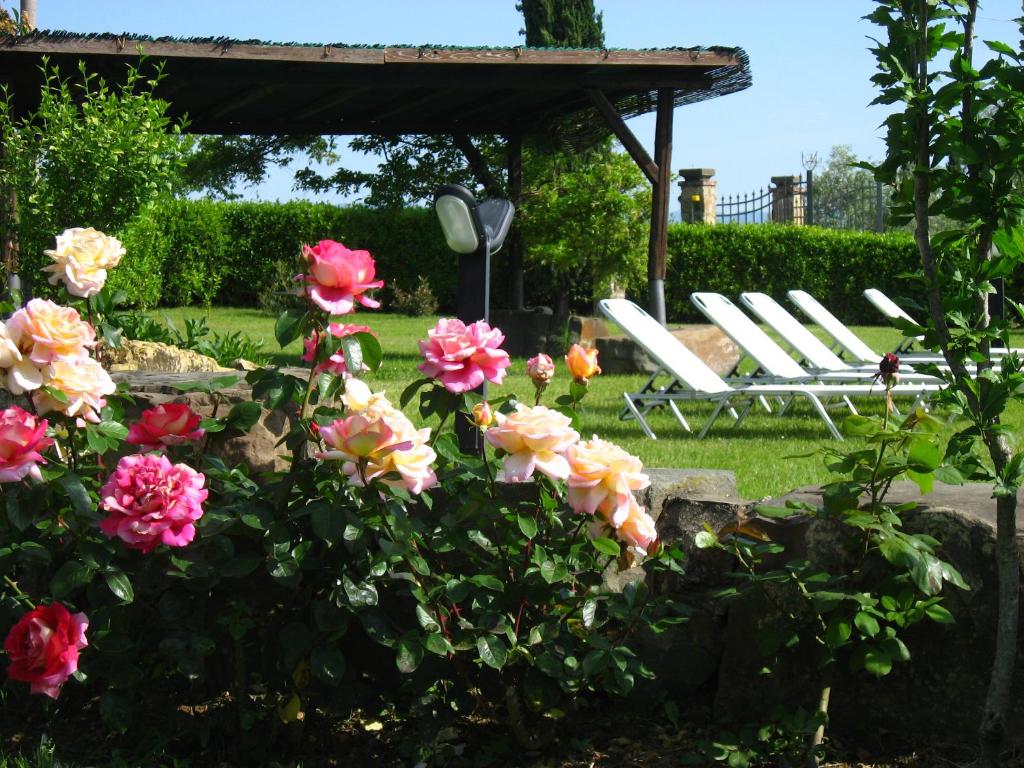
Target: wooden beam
x=626 y=136
x=404 y=104
x=216 y=49
x=658 y=245
x=531 y=56
x=243 y=99
x=317 y=106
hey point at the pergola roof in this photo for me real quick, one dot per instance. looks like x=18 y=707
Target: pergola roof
x=250 y=87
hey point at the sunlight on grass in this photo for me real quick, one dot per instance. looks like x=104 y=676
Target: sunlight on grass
x=769 y=454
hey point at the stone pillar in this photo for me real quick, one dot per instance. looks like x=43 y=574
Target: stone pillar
x=787 y=200
x=699 y=196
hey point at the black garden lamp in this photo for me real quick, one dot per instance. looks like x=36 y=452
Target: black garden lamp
x=474 y=230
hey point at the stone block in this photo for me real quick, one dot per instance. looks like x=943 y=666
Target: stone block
x=153 y=356
x=619 y=354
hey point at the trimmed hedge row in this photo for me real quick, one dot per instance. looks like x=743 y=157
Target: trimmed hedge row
x=834 y=266
x=208 y=252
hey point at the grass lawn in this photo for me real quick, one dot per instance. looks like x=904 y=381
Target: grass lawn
x=769 y=454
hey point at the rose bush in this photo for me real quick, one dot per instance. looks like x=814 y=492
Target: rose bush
x=203 y=583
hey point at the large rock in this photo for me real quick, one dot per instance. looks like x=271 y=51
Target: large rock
x=134 y=355
x=620 y=354
x=949 y=665
x=257 y=448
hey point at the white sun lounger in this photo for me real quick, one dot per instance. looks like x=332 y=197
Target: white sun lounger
x=689 y=379
x=809 y=347
x=846 y=341
x=771 y=359
x=892 y=311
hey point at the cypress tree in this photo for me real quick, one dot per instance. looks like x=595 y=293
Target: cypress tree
x=562 y=23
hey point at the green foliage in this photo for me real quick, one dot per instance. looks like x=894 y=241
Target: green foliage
x=955 y=149
x=851 y=611
x=561 y=23
x=833 y=265
x=585 y=219
x=90 y=155
x=235 y=253
x=415 y=303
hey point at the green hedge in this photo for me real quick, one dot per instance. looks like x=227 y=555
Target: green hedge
x=834 y=266
x=209 y=252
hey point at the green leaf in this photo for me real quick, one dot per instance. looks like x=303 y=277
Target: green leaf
x=113 y=429
x=328 y=664
x=877 y=661
x=426 y=620
x=410 y=391
x=487 y=581
x=859 y=426
x=328 y=523
x=606 y=546
x=866 y=623
x=359 y=595
x=553 y=572
x=924 y=455
x=438 y=644
x=81 y=502
x=240 y=566
x=370 y=349
x=528 y=525
x=244 y=415
x=939 y=614
x=19 y=515
x=492 y=651
x=71 y=576
x=289 y=326
x=119 y=584
x=409 y=652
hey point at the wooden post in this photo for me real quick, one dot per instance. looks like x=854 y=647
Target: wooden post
x=517 y=299
x=659 y=205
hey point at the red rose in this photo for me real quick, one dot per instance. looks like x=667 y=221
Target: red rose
x=43 y=647
x=167 y=424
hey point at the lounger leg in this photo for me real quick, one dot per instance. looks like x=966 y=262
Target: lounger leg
x=820 y=408
x=850 y=405
x=744 y=412
x=679 y=417
x=714 y=415
x=764 y=403
x=631 y=406
x=785 y=406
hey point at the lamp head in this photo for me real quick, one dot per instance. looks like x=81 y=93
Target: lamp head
x=457 y=211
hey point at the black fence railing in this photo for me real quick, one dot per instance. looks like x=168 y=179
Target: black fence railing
x=855 y=201
x=752 y=208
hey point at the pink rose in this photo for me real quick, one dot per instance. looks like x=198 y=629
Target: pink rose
x=462 y=357
x=637 y=530
x=167 y=424
x=43 y=647
x=378 y=442
x=335 y=363
x=152 y=502
x=541 y=369
x=534 y=438
x=45 y=332
x=21 y=440
x=339 y=277
x=602 y=475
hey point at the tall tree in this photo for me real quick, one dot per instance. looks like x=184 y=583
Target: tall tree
x=562 y=24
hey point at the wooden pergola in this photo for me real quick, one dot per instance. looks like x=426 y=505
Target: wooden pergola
x=576 y=96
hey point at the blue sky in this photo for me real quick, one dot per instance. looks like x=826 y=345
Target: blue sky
x=810 y=60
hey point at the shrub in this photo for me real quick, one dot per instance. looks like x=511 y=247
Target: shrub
x=235 y=253
x=832 y=265
x=416 y=303
x=91 y=153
